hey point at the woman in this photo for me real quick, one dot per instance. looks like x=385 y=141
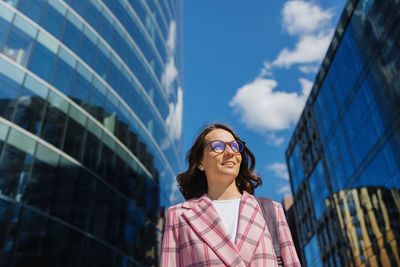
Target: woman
x=221 y=223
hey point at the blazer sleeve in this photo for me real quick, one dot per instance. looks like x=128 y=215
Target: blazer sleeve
x=288 y=250
x=169 y=250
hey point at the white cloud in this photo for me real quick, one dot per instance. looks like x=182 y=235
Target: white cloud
x=279 y=169
x=174 y=195
x=274 y=140
x=170 y=72
x=309 y=49
x=306 y=86
x=262 y=108
x=284 y=190
x=259 y=105
x=169 y=75
x=312 y=26
x=171 y=41
x=307 y=69
x=303 y=18
x=175 y=117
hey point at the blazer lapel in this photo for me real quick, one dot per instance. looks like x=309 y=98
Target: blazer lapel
x=251 y=227
x=203 y=218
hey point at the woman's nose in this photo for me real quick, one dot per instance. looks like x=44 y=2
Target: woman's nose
x=229 y=150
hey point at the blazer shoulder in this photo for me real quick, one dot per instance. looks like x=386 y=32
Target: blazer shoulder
x=188 y=204
x=277 y=204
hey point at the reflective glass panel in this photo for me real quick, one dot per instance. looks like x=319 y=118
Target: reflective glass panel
x=32 y=8
x=319 y=190
x=111 y=109
x=31 y=105
x=79 y=6
x=15 y=164
x=9 y=219
x=32 y=231
x=64 y=72
x=82 y=86
x=20 y=41
x=10 y=84
x=93 y=15
x=311 y=251
x=40 y=187
x=296 y=169
x=5 y=18
x=97 y=100
x=74 y=136
x=92 y=150
x=43 y=57
x=88 y=46
x=53 y=18
x=54 y=120
x=63 y=202
x=102 y=60
x=72 y=32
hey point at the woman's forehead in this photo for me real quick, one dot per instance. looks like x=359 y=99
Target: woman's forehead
x=219 y=134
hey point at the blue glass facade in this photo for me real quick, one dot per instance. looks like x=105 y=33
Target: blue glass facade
x=344 y=158
x=90 y=130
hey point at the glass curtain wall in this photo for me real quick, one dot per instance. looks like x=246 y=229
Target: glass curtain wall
x=89 y=146
x=344 y=158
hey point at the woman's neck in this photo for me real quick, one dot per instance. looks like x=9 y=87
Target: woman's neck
x=220 y=192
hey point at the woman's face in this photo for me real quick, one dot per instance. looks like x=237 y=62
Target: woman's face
x=220 y=167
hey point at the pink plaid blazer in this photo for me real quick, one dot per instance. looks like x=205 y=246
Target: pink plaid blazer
x=195 y=236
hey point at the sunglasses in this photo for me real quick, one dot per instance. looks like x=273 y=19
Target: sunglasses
x=219 y=146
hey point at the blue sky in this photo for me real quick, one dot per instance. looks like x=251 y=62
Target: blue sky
x=251 y=64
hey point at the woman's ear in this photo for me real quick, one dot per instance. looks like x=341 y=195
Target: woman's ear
x=201 y=168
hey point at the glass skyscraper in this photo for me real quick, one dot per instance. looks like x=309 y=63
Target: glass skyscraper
x=90 y=129
x=344 y=155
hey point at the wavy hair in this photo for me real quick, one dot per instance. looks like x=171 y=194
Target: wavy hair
x=193 y=183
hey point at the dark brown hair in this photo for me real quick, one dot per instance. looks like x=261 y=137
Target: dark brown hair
x=193 y=183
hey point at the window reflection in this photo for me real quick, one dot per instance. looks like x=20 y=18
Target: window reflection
x=84 y=200
x=9 y=218
x=97 y=100
x=53 y=18
x=102 y=60
x=5 y=18
x=15 y=166
x=9 y=92
x=32 y=231
x=31 y=105
x=88 y=45
x=82 y=87
x=75 y=133
x=54 y=120
x=319 y=190
x=92 y=150
x=40 y=185
x=311 y=252
x=93 y=15
x=296 y=169
x=72 y=32
x=20 y=41
x=43 y=57
x=64 y=72
x=32 y=8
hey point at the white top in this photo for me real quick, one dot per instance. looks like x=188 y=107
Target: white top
x=228 y=211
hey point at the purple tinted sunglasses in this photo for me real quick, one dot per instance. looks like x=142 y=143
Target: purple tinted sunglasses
x=219 y=146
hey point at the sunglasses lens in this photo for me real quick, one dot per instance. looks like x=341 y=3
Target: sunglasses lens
x=218 y=146
x=236 y=146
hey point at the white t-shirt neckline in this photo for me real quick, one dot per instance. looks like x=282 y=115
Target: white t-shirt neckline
x=228 y=211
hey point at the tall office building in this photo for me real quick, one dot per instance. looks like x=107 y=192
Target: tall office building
x=344 y=155
x=90 y=129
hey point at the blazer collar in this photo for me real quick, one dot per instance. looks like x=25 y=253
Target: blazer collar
x=203 y=218
x=251 y=227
